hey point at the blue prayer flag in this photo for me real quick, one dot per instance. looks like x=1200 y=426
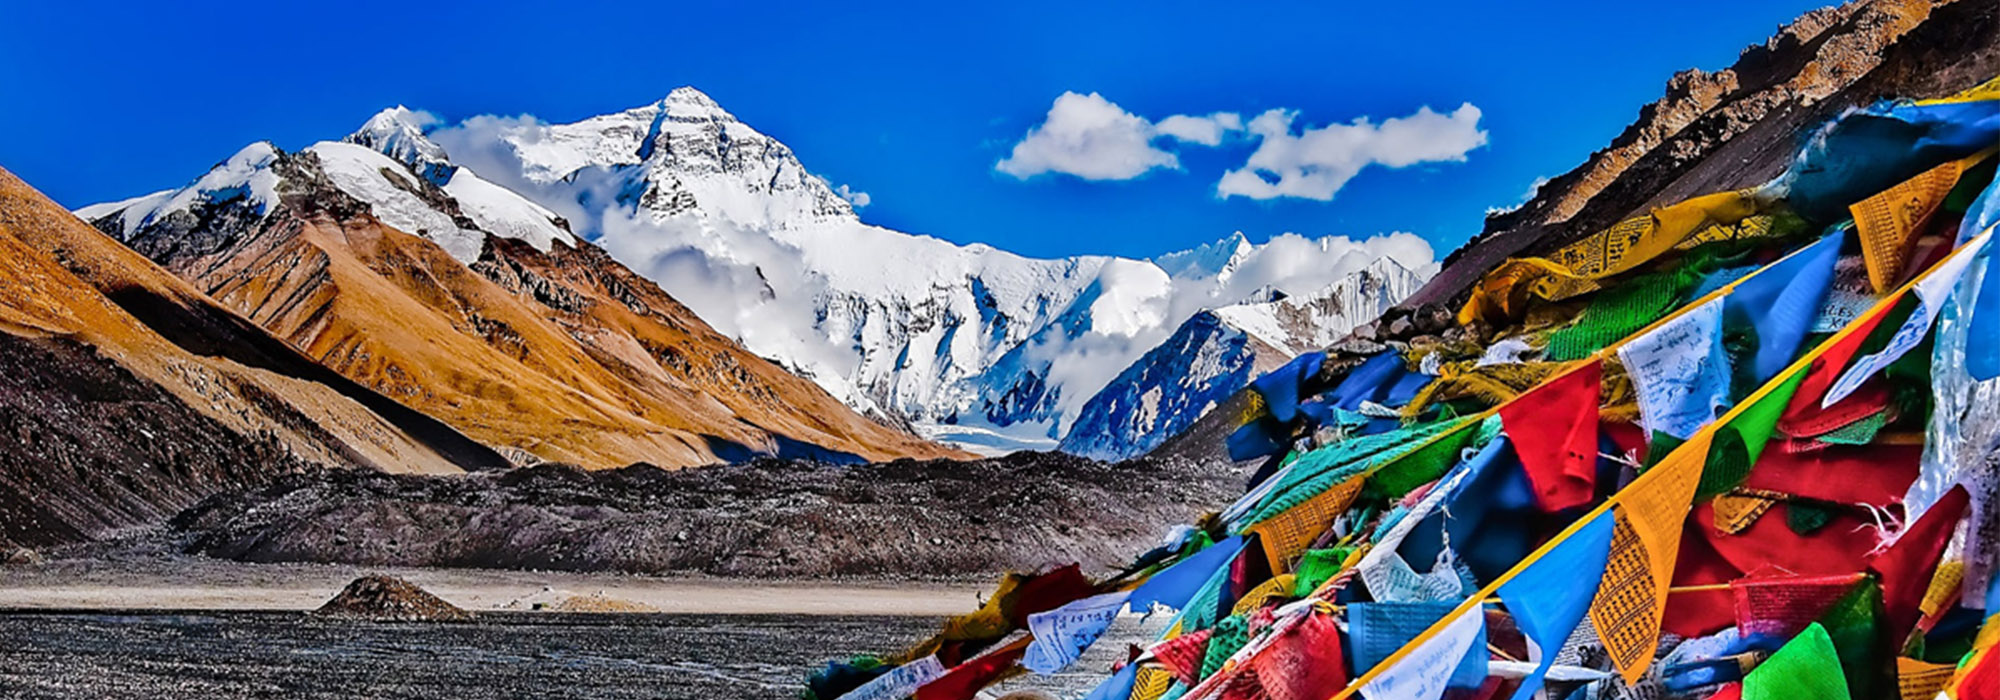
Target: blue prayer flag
x=1377 y=630
x=1176 y=585
x=1550 y=597
x=1280 y=387
x=1118 y=686
x=1781 y=303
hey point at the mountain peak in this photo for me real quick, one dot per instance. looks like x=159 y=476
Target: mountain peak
x=1207 y=260
x=686 y=100
x=398 y=132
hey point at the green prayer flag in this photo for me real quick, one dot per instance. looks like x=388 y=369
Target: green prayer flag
x=1739 y=443
x=1806 y=668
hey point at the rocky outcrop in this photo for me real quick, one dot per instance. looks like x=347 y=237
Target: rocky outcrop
x=1739 y=126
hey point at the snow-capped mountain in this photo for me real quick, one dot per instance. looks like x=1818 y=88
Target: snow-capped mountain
x=1217 y=352
x=461 y=299
x=966 y=342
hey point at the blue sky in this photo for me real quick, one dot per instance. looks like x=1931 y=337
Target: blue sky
x=914 y=105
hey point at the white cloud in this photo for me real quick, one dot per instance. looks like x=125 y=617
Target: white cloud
x=1207 y=131
x=1094 y=139
x=855 y=197
x=1316 y=163
x=1534 y=188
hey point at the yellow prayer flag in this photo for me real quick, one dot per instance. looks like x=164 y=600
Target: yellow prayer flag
x=1279 y=586
x=1922 y=680
x=1645 y=541
x=1287 y=535
x=1944 y=588
x=1890 y=221
x=1574 y=270
x=1150 y=682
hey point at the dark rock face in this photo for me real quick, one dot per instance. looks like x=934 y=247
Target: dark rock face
x=391 y=599
x=89 y=447
x=768 y=518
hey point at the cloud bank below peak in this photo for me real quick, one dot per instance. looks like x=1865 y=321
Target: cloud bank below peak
x=1092 y=138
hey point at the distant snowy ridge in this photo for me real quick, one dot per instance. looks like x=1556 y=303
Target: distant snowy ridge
x=1216 y=353
x=967 y=343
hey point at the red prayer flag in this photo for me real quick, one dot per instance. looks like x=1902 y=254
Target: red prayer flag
x=1049 y=591
x=1182 y=655
x=1554 y=430
x=1304 y=662
x=1803 y=416
x=1982 y=680
x=965 y=681
x=1907 y=566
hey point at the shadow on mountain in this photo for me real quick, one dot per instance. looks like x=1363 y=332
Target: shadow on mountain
x=211 y=333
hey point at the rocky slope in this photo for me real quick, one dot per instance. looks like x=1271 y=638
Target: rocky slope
x=1710 y=132
x=1737 y=127
x=765 y=518
x=968 y=343
x=465 y=301
x=125 y=394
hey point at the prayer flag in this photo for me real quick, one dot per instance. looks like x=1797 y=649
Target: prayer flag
x=1680 y=372
x=1907 y=566
x=1780 y=303
x=1549 y=598
x=1890 y=221
x=1806 y=668
x=1281 y=387
x=1061 y=635
x=1554 y=431
x=1118 y=686
x=1982 y=351
x=1433 y=664
x=1174 y=586
x=899 y=683
x=967 y=679
x=1645 y=542
x=1931 y=293
x=1377 y=630
x=1304 y=662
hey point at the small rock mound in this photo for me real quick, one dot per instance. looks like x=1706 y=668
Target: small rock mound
x=22 y=556
x=390 y=599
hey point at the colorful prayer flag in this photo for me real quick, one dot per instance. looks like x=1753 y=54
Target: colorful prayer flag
x=1907 y=566
x=1781 y=302
x=964 y=681
x=1304 y=662
x=1806 y=668
x=1118 y=687
x=1174 y=586
x=899 y=683
x=1890 y=221
x=1931 y=293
